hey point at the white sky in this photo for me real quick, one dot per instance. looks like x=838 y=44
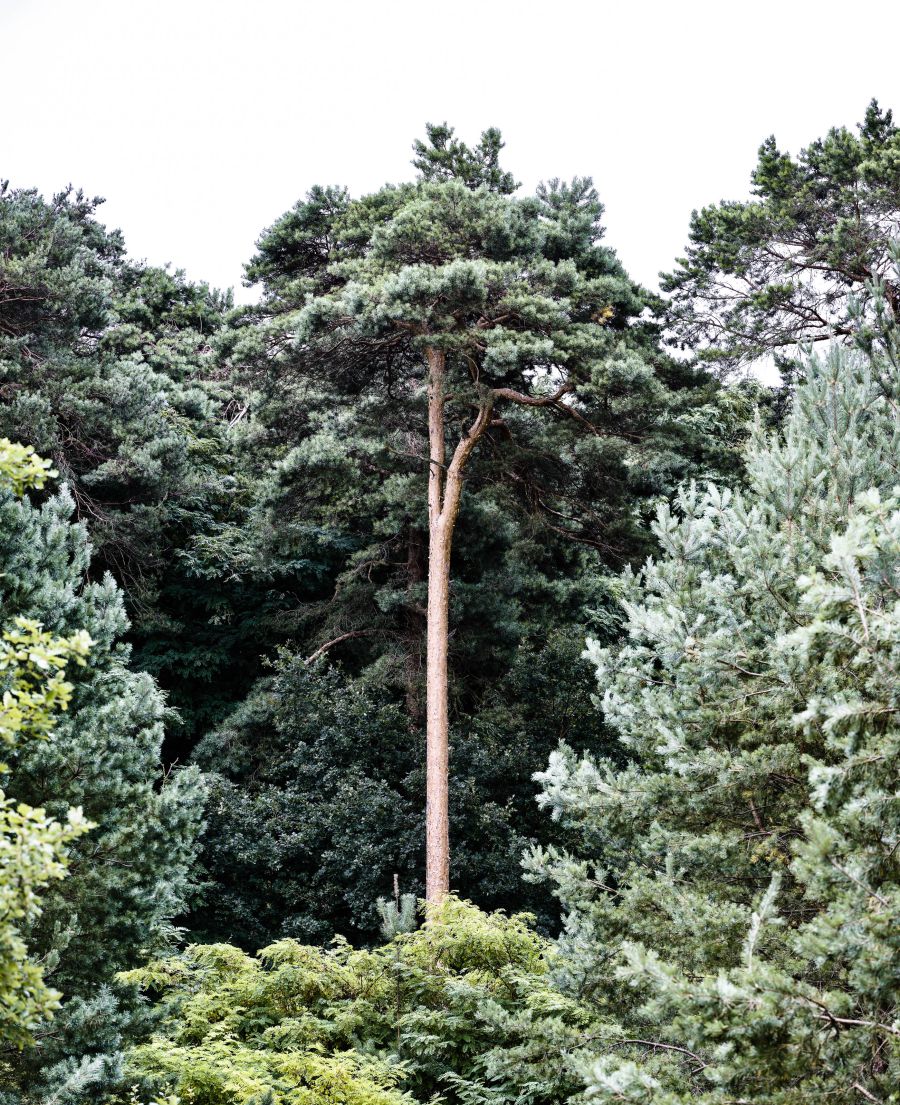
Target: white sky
x=202 y=120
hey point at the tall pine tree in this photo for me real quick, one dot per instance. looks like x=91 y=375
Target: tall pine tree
x=444 y=330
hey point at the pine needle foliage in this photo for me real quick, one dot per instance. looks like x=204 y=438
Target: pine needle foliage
x=759 y=277
x=734 y=894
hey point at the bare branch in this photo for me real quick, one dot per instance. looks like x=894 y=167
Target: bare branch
x=322 y=649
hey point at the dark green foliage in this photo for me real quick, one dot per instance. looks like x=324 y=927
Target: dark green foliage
x=109 y=368
x=444 y=157
x=57 y=262
x=255 y=481
x=762 y=276
x=316 y=785
x=343 y=419
x=313 y=807
x=344 y=425
x=102 y=374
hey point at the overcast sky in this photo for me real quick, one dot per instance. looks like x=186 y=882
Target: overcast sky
x=200 y=121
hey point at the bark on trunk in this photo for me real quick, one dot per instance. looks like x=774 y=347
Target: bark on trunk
x=415 y=618
x=444 y=490
x=437 y=754
x=437 y=747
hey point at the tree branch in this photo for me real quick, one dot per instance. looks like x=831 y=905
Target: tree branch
x=336 y=641
x=554 y=401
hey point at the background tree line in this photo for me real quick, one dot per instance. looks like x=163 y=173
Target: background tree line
x=240 y=523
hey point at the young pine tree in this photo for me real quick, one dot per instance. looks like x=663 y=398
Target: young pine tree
x=33 y=690
x=733 y=902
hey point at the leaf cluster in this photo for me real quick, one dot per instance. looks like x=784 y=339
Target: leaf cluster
x=445 y=1013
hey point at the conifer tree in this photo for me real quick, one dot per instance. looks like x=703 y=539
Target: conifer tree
x=467 y=329
x=33 y=690
x=127 y=878
x=108 y=368
x=444 y=157
x=732 y=894
x=761 y=276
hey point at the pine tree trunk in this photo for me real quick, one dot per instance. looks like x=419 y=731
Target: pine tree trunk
x=415 y=618
x=437 y=816
x=444 y=490
x=437 y=750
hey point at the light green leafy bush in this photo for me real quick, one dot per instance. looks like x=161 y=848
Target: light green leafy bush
x=460 y=1010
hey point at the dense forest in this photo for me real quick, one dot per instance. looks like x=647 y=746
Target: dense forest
x=454 y=677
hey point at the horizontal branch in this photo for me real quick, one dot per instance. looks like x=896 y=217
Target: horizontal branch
x=554 y=401
x=322 y=649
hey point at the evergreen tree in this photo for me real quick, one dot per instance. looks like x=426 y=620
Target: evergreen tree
x=108 y=367
x=449 y=310
x=312 y=809
x=99 y=367
x=128 y=877
x=33 y=690
x=762 y=276
x=315 y=792
x=732 y=893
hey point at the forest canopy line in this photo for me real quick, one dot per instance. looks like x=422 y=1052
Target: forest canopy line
x=312 y=789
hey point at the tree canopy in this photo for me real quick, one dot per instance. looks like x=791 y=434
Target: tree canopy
x=731 y=892
x=784 y=268
x=293 y=606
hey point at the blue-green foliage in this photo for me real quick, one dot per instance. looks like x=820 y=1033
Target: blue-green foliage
x=33 y=691
x=733 y=892
x=128 y=877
